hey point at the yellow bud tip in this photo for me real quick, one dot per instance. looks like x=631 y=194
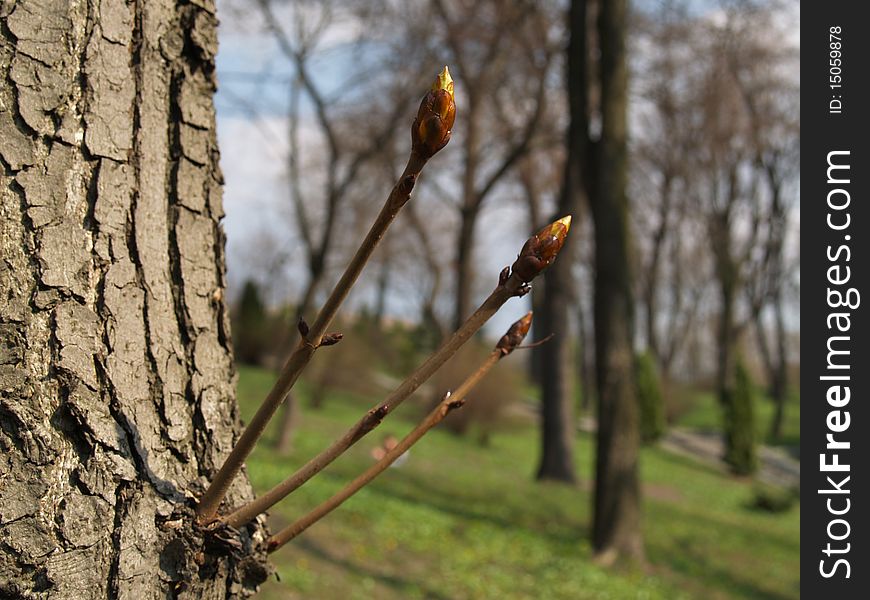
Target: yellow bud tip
x=444 y=82
x=556 y=229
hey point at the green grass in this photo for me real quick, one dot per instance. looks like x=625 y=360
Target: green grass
x=461 y=521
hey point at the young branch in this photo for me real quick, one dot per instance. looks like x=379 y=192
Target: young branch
x=537 y=253
x=505 y=346
x=429 y=133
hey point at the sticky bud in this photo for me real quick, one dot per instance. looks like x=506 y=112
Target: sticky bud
x=431 y=129
x=541 y=249
x=515 y=335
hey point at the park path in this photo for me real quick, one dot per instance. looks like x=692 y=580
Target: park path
x=776 y=467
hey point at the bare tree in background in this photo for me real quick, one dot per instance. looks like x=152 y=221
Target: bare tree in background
x=597 y=171
x=555 y=363
x=772 y=104
x=726 y=193
x=748 y=148
x=669 y=287
x=346 y=126
x=502 y=56
x=334 y=137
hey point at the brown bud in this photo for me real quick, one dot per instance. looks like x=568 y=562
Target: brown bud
x=302 y=326
x=330 y=339
x=515 y=335
x=431 y=129
x=541 y=249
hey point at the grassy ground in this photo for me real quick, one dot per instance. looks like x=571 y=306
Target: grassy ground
x=461 y=521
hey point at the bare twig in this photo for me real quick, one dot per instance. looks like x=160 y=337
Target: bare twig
x=430 y=132
x=538 y=252
x=505 y=346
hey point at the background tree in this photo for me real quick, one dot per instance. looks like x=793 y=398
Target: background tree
x=671 y=279
x=502 y=55
x=617 y=512
x=738 y=189
x=555 y=363
x=649 y=394
x=772 y=103
x=117 y=372
x=598 y=171
x=344 y=122
x=251 y=326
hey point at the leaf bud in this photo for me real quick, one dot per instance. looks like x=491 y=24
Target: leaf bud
x=515 y=335
x=541 y=249
x=434 y=122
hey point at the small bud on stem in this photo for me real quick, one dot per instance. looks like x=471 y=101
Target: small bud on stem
x=541 y=249
x=431 y=129
x=515 y=335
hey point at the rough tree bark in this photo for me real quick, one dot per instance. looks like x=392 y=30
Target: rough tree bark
x=617 y=512
x=116 y=368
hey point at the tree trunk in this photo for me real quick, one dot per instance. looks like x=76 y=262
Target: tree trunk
x=585 y=367
x=557 y=392
x=289 y=418
x=653 y=269
x=383 y=286
x=116 y=367
x=556 y=367
x=464 y=267
x=739 y=442
x=779 y=376
x=617 y=515
x=468 y=215
x=315 y=276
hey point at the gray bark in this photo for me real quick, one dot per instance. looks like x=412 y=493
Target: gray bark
x=116 y=375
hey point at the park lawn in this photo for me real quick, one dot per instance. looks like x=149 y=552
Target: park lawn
x=463 y=521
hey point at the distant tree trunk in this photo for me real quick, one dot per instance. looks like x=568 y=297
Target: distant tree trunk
x=775 y=359
x=739 y=444
x=536 y=221
x=315 y=277
x=289 y=417
x=584 y=357
x=617 y=515
x=468 y=213
x=428 y=316
x=557 y=369
x=653 y=267
x=116 y=369
x=383 y=284
x=779 y=372
x=557 y=398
